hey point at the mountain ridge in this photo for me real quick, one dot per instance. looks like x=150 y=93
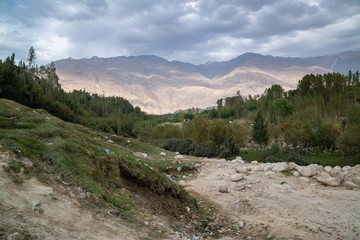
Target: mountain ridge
x=159 y=86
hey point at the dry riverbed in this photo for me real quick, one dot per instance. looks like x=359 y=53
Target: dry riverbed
x=277 y=205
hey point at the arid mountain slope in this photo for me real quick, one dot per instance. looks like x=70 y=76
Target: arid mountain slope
x=159 y=86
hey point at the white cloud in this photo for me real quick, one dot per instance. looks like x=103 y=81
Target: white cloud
x=190 y=31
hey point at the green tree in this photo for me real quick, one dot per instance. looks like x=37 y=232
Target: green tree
x=260 y=133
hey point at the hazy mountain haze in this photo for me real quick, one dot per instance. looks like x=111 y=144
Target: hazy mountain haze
x=159 y=86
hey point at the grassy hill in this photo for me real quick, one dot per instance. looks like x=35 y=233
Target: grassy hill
x=73 y=154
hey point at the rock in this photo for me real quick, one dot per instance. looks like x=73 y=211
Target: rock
x=175 y=161
x=346 y=168
x=249 y=168
x=353 y=175
x=270 y=174
x=177 y=153
x=241 y=224
x=258 y=168
x=307 y=171
x=43 y=190
x=238 y=160
x=140 y=154
x=187 y=209
x=240 y=186
x=329 y=181
x=237 y=177
x=350 y=184
x=26 y=161
x=240 y=170
x=254 y=162
x=280 y=167
x=337 y=168
x=328 y=168
x=304 y=179
x=16 y=236
x=182 y=183
x=325 y=174
x=162 y=154
x=35 y=205
x=267 y=167
x=292 y=166
x=319 y=168
x=179 y=169
x=296 y=173
x=179 y=157
x=197 y=165
x=336 y=173
x=202 y=174
x=223 y=189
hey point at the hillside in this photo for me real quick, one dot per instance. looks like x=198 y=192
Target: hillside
x=159 y=86
x=69 y=161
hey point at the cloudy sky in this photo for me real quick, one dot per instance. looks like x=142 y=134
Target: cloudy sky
x=190 y=31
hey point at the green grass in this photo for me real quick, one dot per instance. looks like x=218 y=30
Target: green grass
x=77 y=153
x=333 y=159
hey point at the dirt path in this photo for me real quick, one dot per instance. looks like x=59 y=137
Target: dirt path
x=278 y=206
x=42 y=212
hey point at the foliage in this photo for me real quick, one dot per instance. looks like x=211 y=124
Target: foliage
x=39 y=87
x=260 y=131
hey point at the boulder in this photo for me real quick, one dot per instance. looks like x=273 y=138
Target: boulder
x=296 y=173
x=162 y=154
x=179 y=157
x=329 y=181
x=350 y=184
x=258 y=168
x=328 y=168
x=270 y=174
x=304 y=179
x=240 y=170
x=237 y=177
x=280 y=167
x=223 y=189
x=182 y=183
x=249 y=168
x=240 y=186
x=336 y=173
x=267 y=167
x=254 y=162
x=337 y=168
x=346 y=168
x=292 y=166
x=307 y=171
x=353 y=175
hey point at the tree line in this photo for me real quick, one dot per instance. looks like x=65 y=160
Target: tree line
x=39 y=87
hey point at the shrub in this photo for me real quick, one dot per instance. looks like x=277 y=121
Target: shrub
x=267 y=156
x=275 y=148
x=296 y=158
x=207 y=149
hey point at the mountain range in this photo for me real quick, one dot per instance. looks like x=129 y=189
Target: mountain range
x=160 y=86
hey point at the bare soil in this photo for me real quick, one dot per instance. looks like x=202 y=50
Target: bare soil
x=279 y=206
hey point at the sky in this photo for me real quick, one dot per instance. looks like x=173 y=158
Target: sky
x=189 y=31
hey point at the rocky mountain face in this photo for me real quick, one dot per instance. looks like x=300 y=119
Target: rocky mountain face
x=160 y=86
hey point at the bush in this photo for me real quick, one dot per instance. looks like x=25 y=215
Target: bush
x=178 y=145
x=267 y=156
x=296 y=158
x=207 y=149
x=275 y=148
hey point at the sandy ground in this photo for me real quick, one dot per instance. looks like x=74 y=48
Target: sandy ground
x=42 y=212
x=280 y=206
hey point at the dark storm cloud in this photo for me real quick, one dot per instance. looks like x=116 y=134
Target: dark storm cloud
x=193 y=31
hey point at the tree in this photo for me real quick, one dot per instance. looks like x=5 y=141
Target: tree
x=260 y=133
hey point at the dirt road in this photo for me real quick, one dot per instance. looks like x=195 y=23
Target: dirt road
x=279 y=205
